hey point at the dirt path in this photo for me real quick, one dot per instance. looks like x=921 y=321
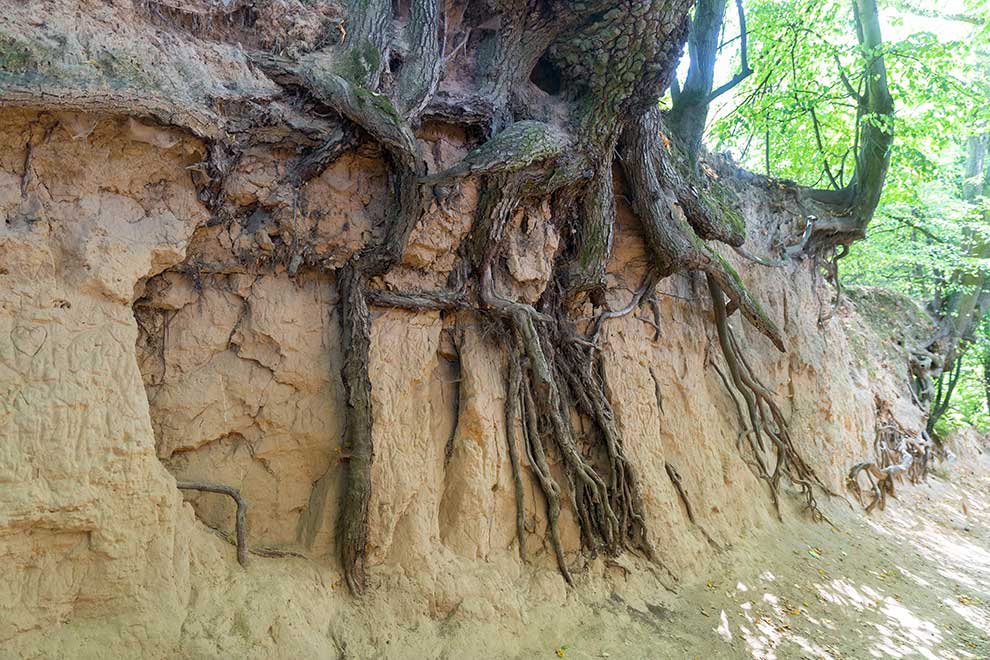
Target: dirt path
x=909 y=582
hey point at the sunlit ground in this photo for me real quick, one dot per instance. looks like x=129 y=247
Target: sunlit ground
x=909 y=582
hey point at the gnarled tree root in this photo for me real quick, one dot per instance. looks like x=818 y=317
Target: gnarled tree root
x=549 y=375
x=764 y=417
x=881 y=482
x=897 y=455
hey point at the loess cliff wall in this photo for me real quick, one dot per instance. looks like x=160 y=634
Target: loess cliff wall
x=141 y=342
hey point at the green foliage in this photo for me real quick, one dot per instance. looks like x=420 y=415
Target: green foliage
x=806 y=57
x=797 y=117
x=915 y=242
x=969 y=403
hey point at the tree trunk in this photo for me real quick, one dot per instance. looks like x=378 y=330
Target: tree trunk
x=838 y=216
x=689 y=113
x=960 y=312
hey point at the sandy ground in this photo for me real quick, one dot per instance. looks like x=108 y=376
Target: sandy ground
x=912 y=581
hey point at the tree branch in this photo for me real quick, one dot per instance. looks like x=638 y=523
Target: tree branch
x=845 y=81
x=744 y=71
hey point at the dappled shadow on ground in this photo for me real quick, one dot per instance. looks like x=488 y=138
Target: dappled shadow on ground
x=910 y=582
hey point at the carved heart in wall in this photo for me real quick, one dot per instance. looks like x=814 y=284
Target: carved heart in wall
x=29 y=339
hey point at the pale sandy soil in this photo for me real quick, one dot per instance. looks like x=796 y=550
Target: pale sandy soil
x=909 y=582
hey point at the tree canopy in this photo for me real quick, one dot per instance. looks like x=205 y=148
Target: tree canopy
x=798 y=114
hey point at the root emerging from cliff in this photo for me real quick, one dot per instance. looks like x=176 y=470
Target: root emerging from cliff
x=897 y=455
x=352 y=527
x=764 y=417
x=556 y=371
x=559 y=374
x=240 y=517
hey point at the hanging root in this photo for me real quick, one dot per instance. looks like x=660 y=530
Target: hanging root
x=675 y=218
x=552 y=371
x=581 y=366
x=765 y=419
x=563 y=370
x=608 y=508
x=240 y=519
x=599 y=523
x=675 y=479
x=536 y=455
x=513 y=389
x=352 y=524
x=561 y=374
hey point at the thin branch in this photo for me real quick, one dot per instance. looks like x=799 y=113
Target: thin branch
x=904 y=221
x=845 y=80
x=744 y=71
x=821 y=149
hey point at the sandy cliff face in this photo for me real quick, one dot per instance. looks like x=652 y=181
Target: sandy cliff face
x=90 y=520
x=140 y=343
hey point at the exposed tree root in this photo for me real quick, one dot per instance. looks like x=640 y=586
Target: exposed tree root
x=418 y=300
x=562 y=372
x=240 y=517
x=666 y=227
x=352 y=524
x=642 y=294
x=377 y=81
x=765 y=418
x=599 y=523
x=536 y=455
x=582 y=367
x=675 y=479
x=563 y=369
x=881 y=484
x=513 y=392
x=898 y=455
